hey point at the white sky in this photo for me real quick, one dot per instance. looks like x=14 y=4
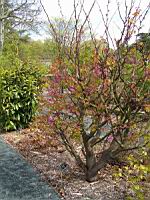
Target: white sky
x=53 y=10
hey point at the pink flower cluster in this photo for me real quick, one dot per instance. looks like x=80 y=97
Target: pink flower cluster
x=110 y=138
x=52 y=92
x=97 y=70
x=51 y=120
x=71 y=89
x=101 y=71
x=57 y=78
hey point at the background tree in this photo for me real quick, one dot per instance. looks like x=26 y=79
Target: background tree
x=145 y=39
x=20 y=14
x=143 y=43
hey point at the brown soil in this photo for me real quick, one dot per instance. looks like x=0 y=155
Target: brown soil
x=48 y=156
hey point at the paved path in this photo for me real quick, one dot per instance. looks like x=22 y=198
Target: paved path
x=18 y=180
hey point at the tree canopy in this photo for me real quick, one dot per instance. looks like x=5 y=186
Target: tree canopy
x=18 y=14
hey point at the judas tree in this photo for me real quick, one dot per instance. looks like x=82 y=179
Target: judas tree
x=105 y=102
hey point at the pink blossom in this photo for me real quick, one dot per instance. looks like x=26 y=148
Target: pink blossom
x=106 y=50
x=97 y=70
x=129 y=134
x=50 y=100
x=51 y=120
x=57 y=78
x=71 y=88
x=52 y=92
x=89 y=90
x=131 y=60
x=110 y=138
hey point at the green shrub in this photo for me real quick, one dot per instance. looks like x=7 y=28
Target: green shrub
x=20 y=85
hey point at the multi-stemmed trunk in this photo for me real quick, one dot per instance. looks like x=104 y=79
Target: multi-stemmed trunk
x=93 y=165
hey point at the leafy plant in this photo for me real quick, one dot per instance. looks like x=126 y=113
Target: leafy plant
x=101 y=96
x=20 y=84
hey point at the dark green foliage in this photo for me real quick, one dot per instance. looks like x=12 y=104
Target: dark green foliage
x=144 y=39
x=19 y=88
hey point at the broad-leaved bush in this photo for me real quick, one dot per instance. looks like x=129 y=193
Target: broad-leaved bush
x=20 y=84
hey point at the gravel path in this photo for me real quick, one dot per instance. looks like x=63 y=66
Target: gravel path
x=18 y=180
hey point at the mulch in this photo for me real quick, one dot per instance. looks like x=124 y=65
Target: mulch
x=49 y=157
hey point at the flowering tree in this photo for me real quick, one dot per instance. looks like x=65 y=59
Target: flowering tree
x=105 y=98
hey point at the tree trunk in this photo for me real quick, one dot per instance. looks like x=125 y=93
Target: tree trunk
x=90 y=164
x=107 y=157
x=90 y=157
x=91 y=174
x=93 y=166
x=1 y=25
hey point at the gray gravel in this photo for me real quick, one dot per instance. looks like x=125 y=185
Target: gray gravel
x=18 y=180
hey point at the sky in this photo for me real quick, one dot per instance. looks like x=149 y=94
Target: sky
x=64 y=8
